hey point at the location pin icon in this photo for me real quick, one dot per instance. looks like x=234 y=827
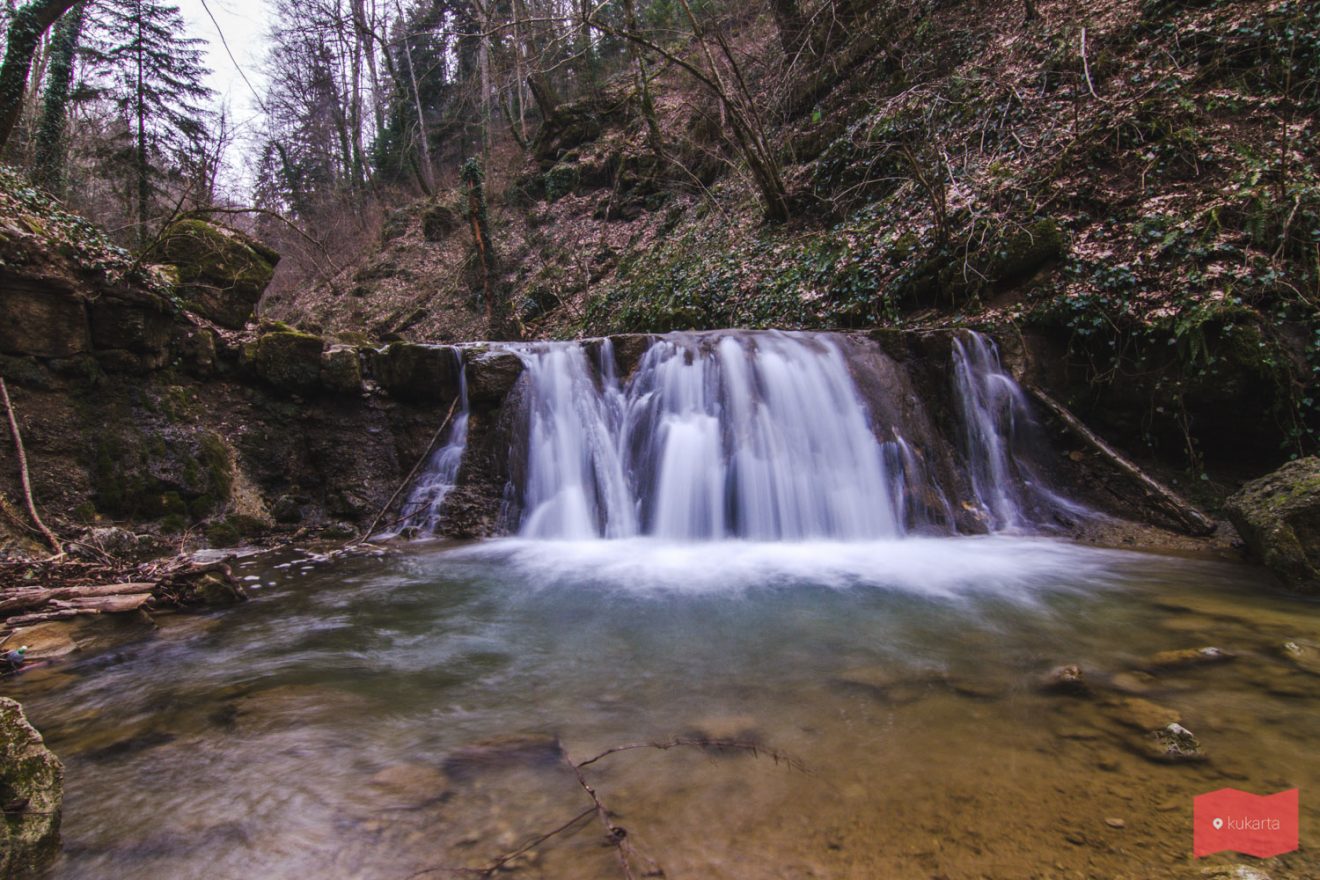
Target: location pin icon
x=1218 y=823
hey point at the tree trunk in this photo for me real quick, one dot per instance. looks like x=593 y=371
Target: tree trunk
x=788 y=18
x=643 y=79
x=143 y=169
x=50 y=159
x=25 y=30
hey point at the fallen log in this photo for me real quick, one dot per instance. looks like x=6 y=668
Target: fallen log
x=23 y=600
x=43 y=617
x=111 y=604
x=1158 y=495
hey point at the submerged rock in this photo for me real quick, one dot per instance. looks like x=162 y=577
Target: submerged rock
x=1303 y=655
x=1188 y=657
x=407 y=786
x=31 y=796
x=1279 y=518
x=1140 y=714
x=530 y=750
x=1068 y=680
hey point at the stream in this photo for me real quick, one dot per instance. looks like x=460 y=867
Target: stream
x=376 y=717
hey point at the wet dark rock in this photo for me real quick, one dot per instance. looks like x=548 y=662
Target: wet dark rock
x=197 y=352
x=141 y=329
x=498 y=753
x=419 y=373
x=341 y=369
x=491 y=375
x=1278 y=516
x=1069 y=680
x=288 y=360
x=31 y=796
x=222 y=272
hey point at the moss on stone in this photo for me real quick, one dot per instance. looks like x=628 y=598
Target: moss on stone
x=289 y=360
x=222 y=272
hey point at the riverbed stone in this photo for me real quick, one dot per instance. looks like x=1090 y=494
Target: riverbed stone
x=1278 y=516
x=1141 y=714
x=503 y=752
x=31 y=796
x=1304 y=655
x=407 y=786
x=1174 y=744
x=46 y=641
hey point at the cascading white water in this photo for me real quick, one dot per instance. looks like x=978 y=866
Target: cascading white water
x=996 y=420
x=761 y=436
x=576 y=485
x=422 y=509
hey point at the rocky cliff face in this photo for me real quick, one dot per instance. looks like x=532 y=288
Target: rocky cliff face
x=143 y=404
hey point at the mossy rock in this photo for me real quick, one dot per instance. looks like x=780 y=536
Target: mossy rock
x=222 y=272
x=1278 y=516
x=421 y=373
x=289 y=360
x=32 y=794
x=1021 y=255
x=438 y=221
x=341 y=369
x=561 y=180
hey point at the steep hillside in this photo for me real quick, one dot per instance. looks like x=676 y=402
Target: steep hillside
x=1135 y=183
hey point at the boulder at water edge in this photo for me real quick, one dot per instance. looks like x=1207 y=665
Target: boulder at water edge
x=1279 y=518
x=31 y=792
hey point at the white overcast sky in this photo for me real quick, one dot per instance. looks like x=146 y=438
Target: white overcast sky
x=245 y=24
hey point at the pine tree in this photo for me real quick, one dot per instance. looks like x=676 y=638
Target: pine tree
x=154 y=77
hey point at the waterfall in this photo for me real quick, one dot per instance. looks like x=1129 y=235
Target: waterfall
x=421 y=512
x=760 y=436
x=998 y=434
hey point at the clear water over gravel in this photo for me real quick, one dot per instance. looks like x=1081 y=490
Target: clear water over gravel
x=377 y=717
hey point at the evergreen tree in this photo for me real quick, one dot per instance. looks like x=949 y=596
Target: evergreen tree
x=153 y=74
x=50 y=156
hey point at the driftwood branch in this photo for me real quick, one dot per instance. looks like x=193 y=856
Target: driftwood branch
x=53 y=541
x=1158 y=495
